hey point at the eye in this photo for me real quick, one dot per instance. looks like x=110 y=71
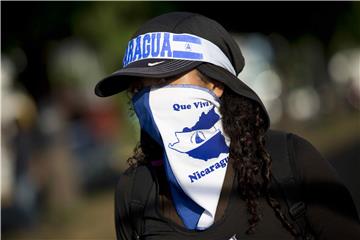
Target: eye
x=135 y=87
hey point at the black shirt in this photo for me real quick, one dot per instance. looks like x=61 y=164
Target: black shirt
x=331 y=212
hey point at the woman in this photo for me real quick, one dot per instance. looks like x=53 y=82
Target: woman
x=203 y=169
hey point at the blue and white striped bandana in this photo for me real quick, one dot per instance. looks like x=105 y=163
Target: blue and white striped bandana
x=186 y=121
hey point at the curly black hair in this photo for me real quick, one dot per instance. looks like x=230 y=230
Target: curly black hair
x=244 y=123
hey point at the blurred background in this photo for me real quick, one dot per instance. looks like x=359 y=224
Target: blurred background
x=63 y=148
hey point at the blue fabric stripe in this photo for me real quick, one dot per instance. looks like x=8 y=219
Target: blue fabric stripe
x=186 y=38
x=188 y=210
x=188 y=55
x=142 y=108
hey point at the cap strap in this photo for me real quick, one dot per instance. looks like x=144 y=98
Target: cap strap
x=166 y=45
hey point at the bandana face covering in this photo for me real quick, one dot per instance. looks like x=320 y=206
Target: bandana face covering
x=186 y=121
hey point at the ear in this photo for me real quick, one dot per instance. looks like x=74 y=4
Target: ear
x=218 y=89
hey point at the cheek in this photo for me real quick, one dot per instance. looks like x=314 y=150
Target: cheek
x=207 y=85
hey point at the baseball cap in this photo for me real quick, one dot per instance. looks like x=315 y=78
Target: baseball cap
x=177 y=42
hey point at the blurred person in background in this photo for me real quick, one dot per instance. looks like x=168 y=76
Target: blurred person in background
x=20 y=189
x=207 y=157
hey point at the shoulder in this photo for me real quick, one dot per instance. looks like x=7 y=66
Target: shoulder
x=123 y=187
x=308 y=160
x=311 y=163
x=127 y=178
x=320 y=182
x=123 y=195
x=295 y=138
x=133 y=182
x=298 y=145
x=124 y=192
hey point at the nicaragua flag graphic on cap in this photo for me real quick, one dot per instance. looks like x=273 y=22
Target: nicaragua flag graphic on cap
x=175 y=46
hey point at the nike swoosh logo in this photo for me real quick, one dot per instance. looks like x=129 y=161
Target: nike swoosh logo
x=233 y=237
x=154 y=63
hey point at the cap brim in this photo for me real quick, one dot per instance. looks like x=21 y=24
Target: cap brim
x=120 y=80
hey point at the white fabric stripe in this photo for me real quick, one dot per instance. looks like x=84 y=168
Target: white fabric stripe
x=138 y=49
